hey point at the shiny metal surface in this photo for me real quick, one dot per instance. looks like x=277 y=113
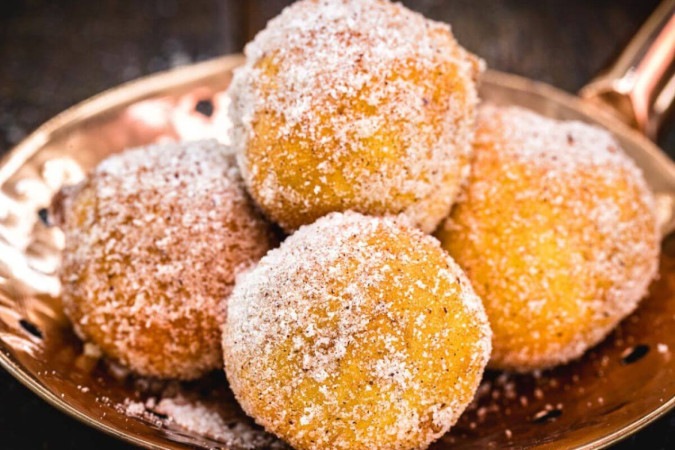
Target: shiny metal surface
x=639 y=88
x=620 y=386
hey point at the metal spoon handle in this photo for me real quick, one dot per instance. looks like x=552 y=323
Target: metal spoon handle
x=640 y=86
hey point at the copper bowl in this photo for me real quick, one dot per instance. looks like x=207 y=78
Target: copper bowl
x=615 y=389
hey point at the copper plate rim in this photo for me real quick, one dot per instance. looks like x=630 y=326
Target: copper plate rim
x=150 y=85
x=129 y=92
x=28 y=381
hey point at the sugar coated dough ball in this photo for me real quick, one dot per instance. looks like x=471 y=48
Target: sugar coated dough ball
x=153 y=238
x=557 y=233
x=357 y=333
x=360 y=105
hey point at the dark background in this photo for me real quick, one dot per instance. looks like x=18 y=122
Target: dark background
x=54 y=54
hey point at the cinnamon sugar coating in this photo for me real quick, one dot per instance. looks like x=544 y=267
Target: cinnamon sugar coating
x=154 y=238
x=557 y=232
x=356 y=333
x=354 y=105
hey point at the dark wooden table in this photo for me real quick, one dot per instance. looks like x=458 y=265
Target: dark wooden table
x=54 y=54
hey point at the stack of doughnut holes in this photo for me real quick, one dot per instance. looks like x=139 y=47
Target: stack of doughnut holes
x=371 y=240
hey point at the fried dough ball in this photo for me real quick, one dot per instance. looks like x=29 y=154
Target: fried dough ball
x=354 y=105
x=357 y=333
x=557 y=233
x=153 y=239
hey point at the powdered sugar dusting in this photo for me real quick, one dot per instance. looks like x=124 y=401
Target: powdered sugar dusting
x=196 y=417
x=177 y=412
x=316 y=301
x=592 y=246
x=561 y=146
x=154 y=237
x=344 y=78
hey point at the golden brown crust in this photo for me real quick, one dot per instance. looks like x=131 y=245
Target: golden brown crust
x=154 y=238
x=557 y=232
x=357 y=333
x=360 y=105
